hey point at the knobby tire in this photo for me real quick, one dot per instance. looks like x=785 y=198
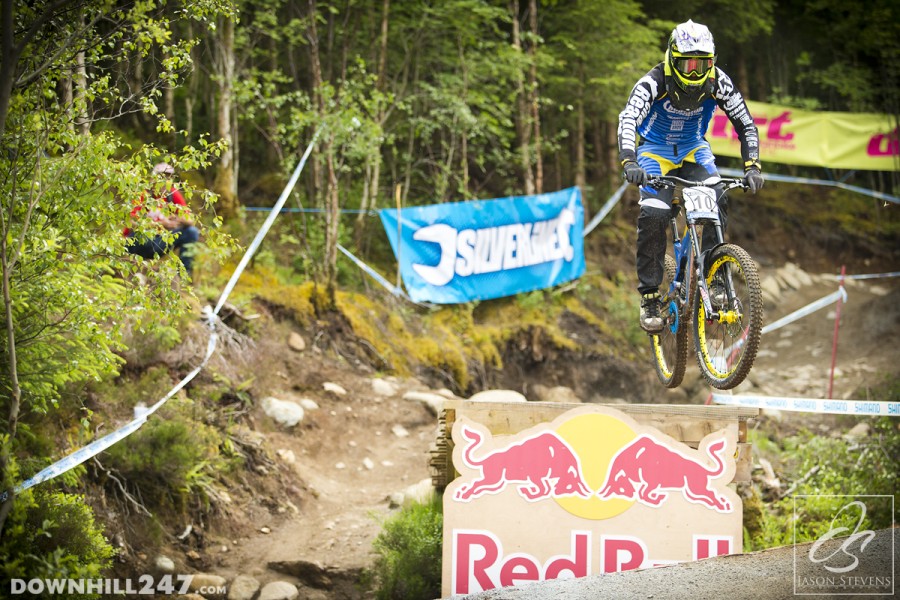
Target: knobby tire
x=670 y=348
x=726 y=349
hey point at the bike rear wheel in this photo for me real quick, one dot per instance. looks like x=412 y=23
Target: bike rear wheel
x=726 y=346
x=670 y=347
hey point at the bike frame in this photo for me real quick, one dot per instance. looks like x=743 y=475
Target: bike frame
x=690 y=261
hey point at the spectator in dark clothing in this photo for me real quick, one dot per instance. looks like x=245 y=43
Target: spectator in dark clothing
x=179 y=223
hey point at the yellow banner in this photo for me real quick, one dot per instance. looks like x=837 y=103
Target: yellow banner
x=864 y=141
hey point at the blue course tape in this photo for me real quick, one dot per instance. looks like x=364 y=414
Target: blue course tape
x=352 y=211
x=809 y=405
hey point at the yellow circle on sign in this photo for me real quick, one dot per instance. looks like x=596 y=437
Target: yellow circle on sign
x=595 y=439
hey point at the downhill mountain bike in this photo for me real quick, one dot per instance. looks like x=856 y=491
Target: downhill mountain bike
x=715 y=292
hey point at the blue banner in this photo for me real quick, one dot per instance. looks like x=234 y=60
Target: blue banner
x=461 y=251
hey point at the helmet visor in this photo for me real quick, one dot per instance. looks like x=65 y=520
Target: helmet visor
x=693 y=67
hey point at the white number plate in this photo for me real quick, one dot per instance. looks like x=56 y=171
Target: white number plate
x=700 y=202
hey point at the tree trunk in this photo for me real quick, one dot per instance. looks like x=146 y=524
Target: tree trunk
x=534 y=95
x=81 y=120
x=192 y=87
x=580 y=169
x=15 y=392
x=523 y=127
x=743 y=80
x=608 y=154
x=373 y=165
x=225 y=184
x=68 y=98
x=10 y=55
x=332 y=204
x=464 y=136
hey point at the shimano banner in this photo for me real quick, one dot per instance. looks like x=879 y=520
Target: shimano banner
x=461 y=251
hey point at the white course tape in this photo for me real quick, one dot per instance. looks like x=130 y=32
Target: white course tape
x=376 y=275
x=797 y=314
x=273 y=214
x=809 y=405
x=808 y=181
x=810 y=308
x=605 y=209
x=97 y=446
x=865 y=276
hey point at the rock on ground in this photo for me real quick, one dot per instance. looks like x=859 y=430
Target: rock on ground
x=243 y=587
x=283 y=411
x=279 y=590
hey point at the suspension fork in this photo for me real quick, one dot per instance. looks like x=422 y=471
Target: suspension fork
x=681 y=245
x=727 y=280
x=701 y=261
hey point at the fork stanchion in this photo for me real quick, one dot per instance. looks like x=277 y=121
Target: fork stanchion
x=837 y=326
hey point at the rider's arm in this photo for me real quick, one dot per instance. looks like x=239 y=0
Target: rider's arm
x=643 y=95
x=732 y=102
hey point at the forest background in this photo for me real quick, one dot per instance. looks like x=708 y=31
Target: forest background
x=415 y=102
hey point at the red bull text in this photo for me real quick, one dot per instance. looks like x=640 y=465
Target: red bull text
x=591 y=492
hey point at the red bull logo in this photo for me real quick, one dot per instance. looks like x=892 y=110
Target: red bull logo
x=548 y=464
x=541 y=466
x=590 y=492
x=648 y=471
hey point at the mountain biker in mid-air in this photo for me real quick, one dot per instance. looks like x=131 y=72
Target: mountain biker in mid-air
x=670 y=107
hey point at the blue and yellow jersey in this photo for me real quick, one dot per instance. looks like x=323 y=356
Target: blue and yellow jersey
x=651 y=114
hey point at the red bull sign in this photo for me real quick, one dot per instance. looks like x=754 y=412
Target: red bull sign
x=591 y=492
x=837 y=140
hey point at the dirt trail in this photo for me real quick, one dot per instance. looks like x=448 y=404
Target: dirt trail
x=347 y=460
x=348 y=457
x=795 y=360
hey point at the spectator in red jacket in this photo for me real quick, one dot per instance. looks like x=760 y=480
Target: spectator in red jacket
x=178 y=222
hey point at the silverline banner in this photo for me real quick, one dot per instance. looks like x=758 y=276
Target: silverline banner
x=462 y=251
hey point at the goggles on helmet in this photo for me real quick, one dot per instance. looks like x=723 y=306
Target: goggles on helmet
x=693 y=67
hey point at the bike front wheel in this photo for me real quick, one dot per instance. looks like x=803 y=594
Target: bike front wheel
x=726 y=341
x=670 y=346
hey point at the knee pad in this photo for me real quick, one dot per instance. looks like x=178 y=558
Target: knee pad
x=654 y=217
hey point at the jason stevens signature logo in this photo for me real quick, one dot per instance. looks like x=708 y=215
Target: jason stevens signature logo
x=493 y=249
x=865 y=535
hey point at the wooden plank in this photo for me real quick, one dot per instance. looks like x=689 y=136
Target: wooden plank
x=685 y=423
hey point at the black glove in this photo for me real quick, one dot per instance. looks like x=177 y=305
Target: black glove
x=753 y=179
x=634 y=174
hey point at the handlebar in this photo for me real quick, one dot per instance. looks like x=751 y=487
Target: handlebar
x=673 y=181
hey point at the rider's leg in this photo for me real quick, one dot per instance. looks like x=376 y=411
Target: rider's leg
x=655 y=212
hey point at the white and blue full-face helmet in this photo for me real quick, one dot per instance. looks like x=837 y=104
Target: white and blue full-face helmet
x=690 y=56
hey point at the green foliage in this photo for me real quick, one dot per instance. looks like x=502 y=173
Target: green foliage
x=835 y=471
x=171 y=462
x=67 y=193
x=60 y=536
x=409 y=549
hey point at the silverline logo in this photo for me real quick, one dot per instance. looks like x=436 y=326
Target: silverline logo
x=494 y=249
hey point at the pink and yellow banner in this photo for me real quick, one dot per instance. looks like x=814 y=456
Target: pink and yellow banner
x=837 y=140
